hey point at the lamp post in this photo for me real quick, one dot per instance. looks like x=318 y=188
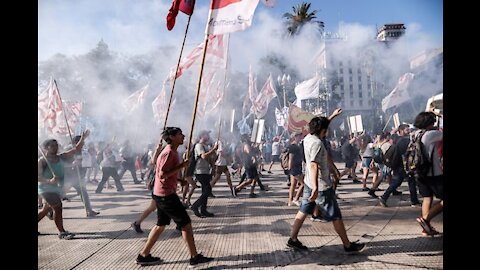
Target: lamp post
x=283 y=80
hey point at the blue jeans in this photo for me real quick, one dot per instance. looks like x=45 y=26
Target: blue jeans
x=397 y=178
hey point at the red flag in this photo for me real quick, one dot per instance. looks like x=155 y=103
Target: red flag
x=172 y=14
x=185 y=6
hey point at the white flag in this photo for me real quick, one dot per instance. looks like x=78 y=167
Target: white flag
x=230 y=16
x=308 y=89
x=399 y=94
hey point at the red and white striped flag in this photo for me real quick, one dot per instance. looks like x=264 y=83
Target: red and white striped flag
x=215 y=57
x=133 y=101
x=159 y=106
x=230 y=16
x=266 y=95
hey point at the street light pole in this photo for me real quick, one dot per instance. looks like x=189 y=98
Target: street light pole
x=283 y=82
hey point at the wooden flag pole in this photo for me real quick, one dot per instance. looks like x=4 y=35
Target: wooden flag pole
x=176 y=70
x=195 y=106
x=71 y=139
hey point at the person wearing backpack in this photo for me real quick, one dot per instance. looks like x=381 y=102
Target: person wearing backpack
x=432 y=183
x=398 y=171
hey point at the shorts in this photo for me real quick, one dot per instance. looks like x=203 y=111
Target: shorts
x=251 y=172
x=326 y=201
x=349 y=163
x=170 y=207
x=52 y=198
x=221 y=169
x=268 y=157
x=366 y=161
x=296 y=171
x=275 y=158
x=431 y=185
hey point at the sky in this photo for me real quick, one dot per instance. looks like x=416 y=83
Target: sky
x=133 y=27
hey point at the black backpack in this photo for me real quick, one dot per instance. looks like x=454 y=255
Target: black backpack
x=392 y=158
x=417 y=163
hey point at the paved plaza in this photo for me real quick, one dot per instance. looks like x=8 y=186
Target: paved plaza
x=245 y=232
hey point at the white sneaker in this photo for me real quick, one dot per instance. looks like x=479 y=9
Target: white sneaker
x=297 y=203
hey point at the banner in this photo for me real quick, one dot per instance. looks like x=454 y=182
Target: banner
x=298 y=120
x=230 y=16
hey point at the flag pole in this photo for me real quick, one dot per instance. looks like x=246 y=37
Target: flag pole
x=71 y=139
x=224 y=88
x=194 y=113
x=388 y=121
x=176 y=70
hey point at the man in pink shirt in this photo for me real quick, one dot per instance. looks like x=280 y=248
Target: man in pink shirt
x=168 y=204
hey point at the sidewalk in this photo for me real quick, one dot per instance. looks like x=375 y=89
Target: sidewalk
x=245 y=232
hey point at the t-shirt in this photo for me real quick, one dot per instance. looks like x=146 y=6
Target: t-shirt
x=297 y=155
x=315 y=151
x=202 y=166
x=167 y=160
x=275 y=148
x=430 y=140
x=59 y=169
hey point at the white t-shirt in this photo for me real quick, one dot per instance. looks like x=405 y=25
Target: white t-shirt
x=315 y=151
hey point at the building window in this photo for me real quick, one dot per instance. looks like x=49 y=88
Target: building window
x=370 y=94
x=368 y=79
x=351 y=103
x=360 y=94
x=343 y=94
x=359 y=71
x=351 y=94
x=359 y=78
x=370 y=102
x=360 y=103
x=351 y=87
x=351 y=79
x=369 y=86
x=350 y=71
x=341 y=70
x=341 y=87
x=360 y=87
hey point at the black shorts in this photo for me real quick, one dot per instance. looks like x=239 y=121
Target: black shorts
x=275 y=158
x=431 y=185
x=52 y=198
x=170 y=207
x=251 y=172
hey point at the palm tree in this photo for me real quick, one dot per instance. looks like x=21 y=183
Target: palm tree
x=300 y=17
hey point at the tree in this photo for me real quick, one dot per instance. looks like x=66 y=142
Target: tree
x=300 y=17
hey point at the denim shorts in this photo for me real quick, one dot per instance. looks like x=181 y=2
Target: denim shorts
x=366 y=162
x=326 y=201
